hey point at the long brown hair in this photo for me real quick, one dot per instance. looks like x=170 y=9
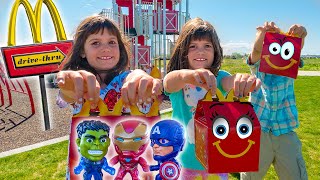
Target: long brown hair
x=195 y=29
x=93 y=25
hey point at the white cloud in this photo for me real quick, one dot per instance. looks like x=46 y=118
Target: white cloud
x=239 y=47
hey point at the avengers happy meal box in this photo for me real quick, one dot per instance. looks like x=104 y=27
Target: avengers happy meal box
x=227 y=134
x=280 y=55
x=90 y=143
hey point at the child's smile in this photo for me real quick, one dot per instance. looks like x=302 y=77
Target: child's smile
x=102 y=50
x=200 y=54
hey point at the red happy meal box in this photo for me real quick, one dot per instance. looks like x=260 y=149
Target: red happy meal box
x=227 y=134
x=280 y=55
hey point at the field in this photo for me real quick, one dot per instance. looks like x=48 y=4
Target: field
x=239 y=65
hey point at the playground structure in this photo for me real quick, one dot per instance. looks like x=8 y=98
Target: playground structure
x=8 y=87
x=152 y=26
x=14 y=85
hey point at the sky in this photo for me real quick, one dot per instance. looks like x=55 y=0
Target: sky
x=234 y=20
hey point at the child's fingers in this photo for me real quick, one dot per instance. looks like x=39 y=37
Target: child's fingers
x=236 y=84
x=157 y=87
x=257 y=84
x=214 y=84
x=205 y=76
x=132 y=91
x=92 y=87
x=242 y=85
x=142 y=87
x=298 y=30
x=260 y=28
x=301 y=32
x=271 y=24
x=124 y=96
x=250 y=84
x=61 y=78
x=292 y=29
x=197 y=78
x=78 y=83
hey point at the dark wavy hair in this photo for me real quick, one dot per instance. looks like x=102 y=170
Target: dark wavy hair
x=93 y=126
x=195 y=29
x=93 y=25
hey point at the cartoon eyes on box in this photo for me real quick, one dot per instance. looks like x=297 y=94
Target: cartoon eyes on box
x=227 y=135
x=280 y=55
x=243 y=127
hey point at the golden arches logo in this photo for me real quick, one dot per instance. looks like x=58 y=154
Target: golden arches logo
x=34 y=17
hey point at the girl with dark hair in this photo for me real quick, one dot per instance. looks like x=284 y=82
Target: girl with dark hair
x=194 y=68
x=97 y=67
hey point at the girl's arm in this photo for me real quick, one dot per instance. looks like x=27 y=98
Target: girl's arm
x=176 y=80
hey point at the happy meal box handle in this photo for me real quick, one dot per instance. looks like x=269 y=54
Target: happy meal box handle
x=220 y=98
x=103 y=109
x=117 y=110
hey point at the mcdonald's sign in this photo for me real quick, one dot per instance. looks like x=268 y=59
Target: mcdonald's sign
x=39 y=58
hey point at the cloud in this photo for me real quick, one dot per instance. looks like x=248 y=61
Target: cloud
x=239 y=47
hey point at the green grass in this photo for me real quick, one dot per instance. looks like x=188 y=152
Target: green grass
x=235 y=66
x=48 y=162
x=239 y=65
x=311 y=65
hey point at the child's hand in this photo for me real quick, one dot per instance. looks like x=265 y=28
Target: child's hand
x=245 y=83
x=298 y=30
x=78 y=85
x=140 y=87
x=261 y=32
x=202 y=78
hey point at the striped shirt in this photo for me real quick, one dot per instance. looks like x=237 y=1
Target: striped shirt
x=274 y=103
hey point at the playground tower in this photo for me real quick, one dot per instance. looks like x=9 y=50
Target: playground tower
x=152 y=26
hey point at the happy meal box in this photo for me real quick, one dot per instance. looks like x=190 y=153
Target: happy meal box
x=90 y=137
x=280 y=55
x=227 y=134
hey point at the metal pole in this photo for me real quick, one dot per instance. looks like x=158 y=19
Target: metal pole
x=115 y=11
x=44 y=102
x=150 y=16
x=187 y=10
x=159 y=37
x=140 y=18
x=136 y=60
x=159 y=19
x=164 y=38
x=133 y=13
x=180 y=16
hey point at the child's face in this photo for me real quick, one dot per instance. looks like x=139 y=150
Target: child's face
x=102 y=50
x=200 y=54
x=161 y=150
